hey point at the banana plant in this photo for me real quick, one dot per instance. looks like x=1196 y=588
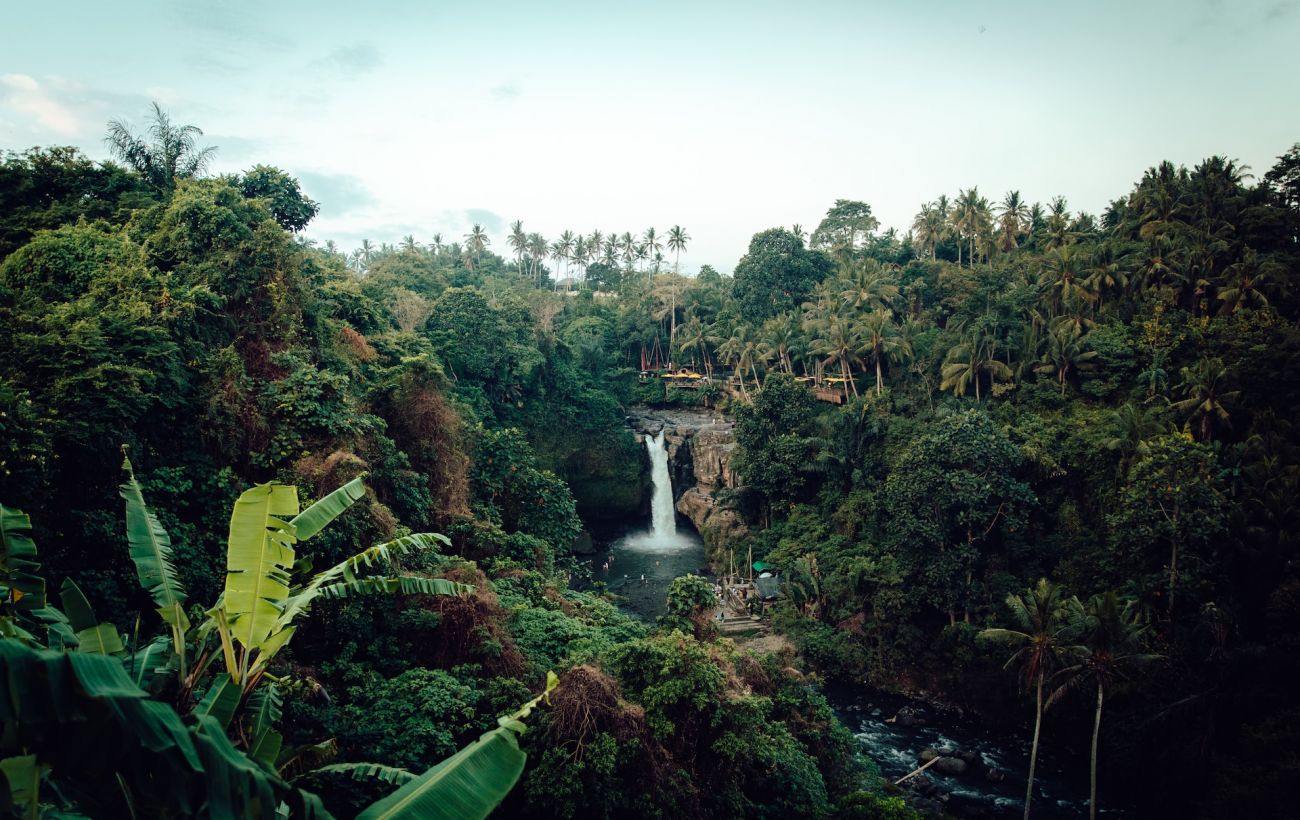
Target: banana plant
x=22 y=590
x=151 y=551
x=470 y=783
x=257 y=613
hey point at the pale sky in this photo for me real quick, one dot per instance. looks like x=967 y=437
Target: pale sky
x=726 y=118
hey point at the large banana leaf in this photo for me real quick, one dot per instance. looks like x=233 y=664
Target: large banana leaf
x=368 y=771
x=21 y=589
x=264 y=710
x=313 y=519
x=22 y=774
x=380 y=555
x=405 y=584
x=92 y=636
x=70 y=710
x=220 y=702
x=148 y=661
x=151 y=550
x=469 y=784
x=259 y=554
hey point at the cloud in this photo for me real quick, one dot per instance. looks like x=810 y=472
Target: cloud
x=1280 y=11
x=491 y=222
x=28 y=96
x=506 y=92
x=20 y=82
x=351 y=61
x=338 y=194
x=239 y=151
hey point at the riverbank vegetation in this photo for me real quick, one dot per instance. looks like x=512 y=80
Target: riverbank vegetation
x=1026 y=393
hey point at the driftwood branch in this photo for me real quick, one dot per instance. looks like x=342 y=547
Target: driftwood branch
x=915 y=772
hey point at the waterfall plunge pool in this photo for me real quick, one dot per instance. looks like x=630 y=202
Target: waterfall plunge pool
x=639 y=564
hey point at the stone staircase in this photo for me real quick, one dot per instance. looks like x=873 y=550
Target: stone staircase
x=742 y=625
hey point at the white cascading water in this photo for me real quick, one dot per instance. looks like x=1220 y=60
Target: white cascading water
x=663 y=519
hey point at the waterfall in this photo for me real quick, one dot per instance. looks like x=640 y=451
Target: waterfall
x=663 y=519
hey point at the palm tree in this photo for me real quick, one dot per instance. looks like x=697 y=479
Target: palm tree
x=537 y=249
x=1113 y=630
x=840 y=341
x=1066 y=351
x=741 y=349
x=627 y=243
x=650 y=240
x=1058 y=224
x=1013 y=220
x=476 y=242
x=1063 y=278
x=567 y=243
x=780 y=339
x=968 y=362
x=882 y=340
x=581 y=254
x=1247 y=274
x=928 y=228
x=943 y=219
x=677 y=239
x=1045 y=621
x=435 y=244
x=558 y=254
x=1136 y=423
x=971 y=218
x=518 y=243
x=694 y=335
x=171 y=153
x=1204 y=396
x=609 y=252
x=1111 y=269
x=363 y=256
x=409 y=245
x=867 y=285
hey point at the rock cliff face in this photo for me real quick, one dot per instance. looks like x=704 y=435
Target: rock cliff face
x=699 y=445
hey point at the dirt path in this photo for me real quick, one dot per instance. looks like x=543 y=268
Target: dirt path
x=769 y=644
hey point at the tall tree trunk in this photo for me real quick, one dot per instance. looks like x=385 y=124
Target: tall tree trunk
x=1096 y=733
x=877 y=374
x=1033 y=750
x=1173 y=572
x=672 y=328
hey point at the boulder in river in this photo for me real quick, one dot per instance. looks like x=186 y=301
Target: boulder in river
x=907 y=717
x=950 y=765
x=995 y=775
x=924 y=785
x=928 y=754
x=931 y=807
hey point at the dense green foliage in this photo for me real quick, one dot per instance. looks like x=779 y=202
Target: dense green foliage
x=1023 y=393
x=1104 y=402
x=178 y=316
